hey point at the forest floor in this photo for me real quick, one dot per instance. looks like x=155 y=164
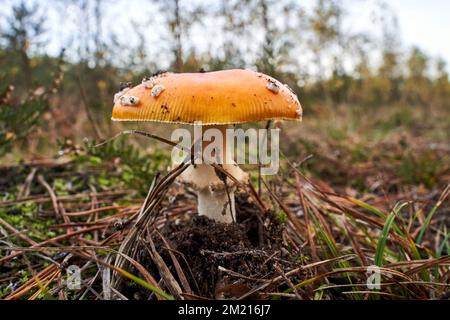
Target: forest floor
x=360 y=194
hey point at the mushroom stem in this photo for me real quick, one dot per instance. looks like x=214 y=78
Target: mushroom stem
x=217 y=205
x=215 y=191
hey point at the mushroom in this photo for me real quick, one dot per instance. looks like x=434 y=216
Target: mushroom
x=217 y=100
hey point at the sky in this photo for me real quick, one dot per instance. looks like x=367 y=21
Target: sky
x=425 y=23
x=422 y=22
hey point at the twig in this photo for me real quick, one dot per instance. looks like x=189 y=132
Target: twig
x=180 y=273
x=164 y=271
x=52 y=240
x=41 y=199
x=17 y=233
x=289 y=282
x=25 y=189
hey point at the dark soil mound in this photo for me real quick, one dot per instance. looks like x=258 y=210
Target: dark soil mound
x=220 y=260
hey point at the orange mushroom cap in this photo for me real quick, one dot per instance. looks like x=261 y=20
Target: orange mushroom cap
x=220 y=97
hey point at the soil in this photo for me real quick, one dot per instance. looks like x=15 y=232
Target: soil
x=250 y=250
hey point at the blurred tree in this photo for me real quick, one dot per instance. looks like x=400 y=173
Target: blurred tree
x=266 y=63
x=417 y=85
x=18 y=119
x=99 y=53
x=386 y=84
x=233 y=29
x=325 y=26
x=360 y=45
x=180 y=17
x=24 y=29
x=280 y=31
x=176 y=29
x=441 y=83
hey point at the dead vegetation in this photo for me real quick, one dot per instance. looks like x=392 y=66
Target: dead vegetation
x=296 y=238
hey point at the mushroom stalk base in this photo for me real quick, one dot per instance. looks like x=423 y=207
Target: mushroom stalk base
x=216 y=205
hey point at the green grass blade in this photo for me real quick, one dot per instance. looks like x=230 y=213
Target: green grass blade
x=145 y=284
x=368 y=207
x=427 y=222
x=443 y=245
x=379 y=254
x=375 y=211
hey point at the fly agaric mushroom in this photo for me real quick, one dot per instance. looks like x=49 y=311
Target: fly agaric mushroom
x=216 y=99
